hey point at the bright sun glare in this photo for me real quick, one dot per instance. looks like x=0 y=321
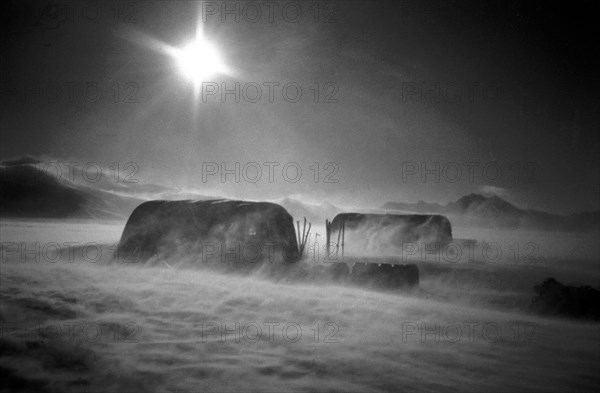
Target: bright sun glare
x=200 y=60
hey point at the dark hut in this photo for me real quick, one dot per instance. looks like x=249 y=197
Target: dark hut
x=210 y=230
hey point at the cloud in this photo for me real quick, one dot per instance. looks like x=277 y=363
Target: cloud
x=494 y=190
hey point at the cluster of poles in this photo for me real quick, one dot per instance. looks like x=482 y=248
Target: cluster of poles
x=302 y=240
x=302 y=237
x=341 y=236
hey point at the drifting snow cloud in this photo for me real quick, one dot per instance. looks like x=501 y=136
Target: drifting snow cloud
x=494 y=190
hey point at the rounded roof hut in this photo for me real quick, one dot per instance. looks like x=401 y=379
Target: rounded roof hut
x=379 y=234
x=224 y=230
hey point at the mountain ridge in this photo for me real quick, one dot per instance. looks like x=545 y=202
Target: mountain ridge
x=494 y=211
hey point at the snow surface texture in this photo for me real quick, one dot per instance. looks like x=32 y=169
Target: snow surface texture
x=75 y=326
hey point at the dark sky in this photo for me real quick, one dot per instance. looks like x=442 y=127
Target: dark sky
x=492 y=86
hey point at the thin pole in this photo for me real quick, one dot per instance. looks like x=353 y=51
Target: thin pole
x=307 y=234
x=327 y=235
x=343 y=237
x=298 y=237
x=337 y=245
x=302 y=238
x=303 y=231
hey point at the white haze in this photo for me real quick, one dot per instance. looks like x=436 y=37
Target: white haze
x=179 y=319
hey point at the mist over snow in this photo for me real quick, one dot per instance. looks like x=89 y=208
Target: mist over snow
x=295 y=196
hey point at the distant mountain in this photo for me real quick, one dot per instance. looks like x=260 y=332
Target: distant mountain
x=419 y=207
x=493 y=211
x=28 y=192
x=21 y=161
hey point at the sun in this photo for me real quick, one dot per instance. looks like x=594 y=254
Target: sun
x=200 y=60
